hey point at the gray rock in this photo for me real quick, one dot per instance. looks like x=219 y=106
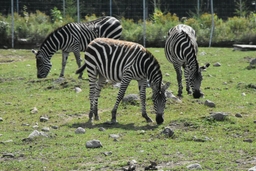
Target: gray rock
x=44 y=119
x=219 y=116
x=248 y=140
x=168 y=132
x=46 y=129
x=80 y=130
x=115 y=136
x=169 y=94
x=1 y=119
x=54 y=127
x=107 y=153
x=131 y=98
x=253 y=61
x=217 y=64
x=34 y=110
x=254 y=121
x=93 y=144
x=238 y=115
x=209 y=103
x=10 y=155
x=252 y=169
x=78 y=89
x=36 y=133
x=194 y=166
x=117 y=85
x=102 y=129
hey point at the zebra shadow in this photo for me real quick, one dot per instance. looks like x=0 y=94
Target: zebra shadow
x=124 y=126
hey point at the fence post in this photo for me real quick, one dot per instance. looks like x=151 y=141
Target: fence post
x=12 y=24
x=110 y=7
x=64 y=10
x=78 y=11
x=144 y=23
x=212 y=28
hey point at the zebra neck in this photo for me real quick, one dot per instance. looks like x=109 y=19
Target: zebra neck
x=47 y=52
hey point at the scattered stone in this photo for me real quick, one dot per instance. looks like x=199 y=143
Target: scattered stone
x=248 y=140
x=7 y=141
x=131 y=99
x=25 y=124
x=252 y=169
x=10 y=155
x=80 y=130
x=35 y=134
x=8 y=103
x=142 y=132
x=44 y=119
x=35 y=126
x=167 y=74
x=46 y=129
x=252 y=86
x=254 y=121
x=131 y=166
x=115 y=136
x=219 y=116
x=102 y=129
x=168 y=132
x=34 y=110
x=78 y=89
x=238 y=115
x=195 y=166
x=253 y=61
x=152 y=166
x=1 y=135
x=209 y=103
x=107 y=153
x=243 y=94
x=1 y=119
x=204 y=139
x=93 y=144
x=217 y=64
x=169 y=94
x=54 y=127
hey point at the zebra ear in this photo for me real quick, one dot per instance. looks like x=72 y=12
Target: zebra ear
x=34 y=51
x=205 y=66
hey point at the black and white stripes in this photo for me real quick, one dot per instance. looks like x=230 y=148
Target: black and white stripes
x=181 y=50
x=122 y=61
x=74 y=37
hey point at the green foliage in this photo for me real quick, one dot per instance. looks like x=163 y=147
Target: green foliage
x=56 y=15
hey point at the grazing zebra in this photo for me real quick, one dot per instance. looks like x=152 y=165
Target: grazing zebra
x=74 y=37
x=122 y=61
x=181 y=50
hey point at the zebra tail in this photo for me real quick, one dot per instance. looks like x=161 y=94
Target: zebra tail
x=81 y=69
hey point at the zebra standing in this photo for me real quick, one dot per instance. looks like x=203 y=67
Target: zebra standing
x=181 y=50
x=74 y=37
x=122 y=61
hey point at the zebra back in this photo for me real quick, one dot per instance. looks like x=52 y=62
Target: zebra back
x=112 y=58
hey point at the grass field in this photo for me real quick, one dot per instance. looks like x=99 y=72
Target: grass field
x=215 y=145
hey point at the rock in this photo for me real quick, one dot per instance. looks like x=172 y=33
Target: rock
x=238 y=115
x=219 y=116
x=209 y=103
x=253 y=61
x=217 y=64
x=44 y=119
x=93 y=144
x=252 y=169
x=152 y=166
x=1 y=119
x=107 y=153
x=248 y=140
x=168 y=132
x=36 y=133
x=34 y=110
x=243 y=94
x=141 y=132
x=254 y=121
x=131 y=99
x=54 y=127
x=167 y=74
x=78 y=89
x=80 y=130
x=46 y=129
x=102 y=129
x=7 y=141
x=117 y=85
x=169 y=94
x=195 y=166
x=115 y=136
x=10 y=155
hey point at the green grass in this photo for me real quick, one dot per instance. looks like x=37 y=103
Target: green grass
x=65 y=150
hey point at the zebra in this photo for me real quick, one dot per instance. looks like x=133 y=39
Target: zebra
x=74 y=37
x=181 y=50
x=123 y=61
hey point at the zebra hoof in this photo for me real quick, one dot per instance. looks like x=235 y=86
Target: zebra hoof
x=110 y=122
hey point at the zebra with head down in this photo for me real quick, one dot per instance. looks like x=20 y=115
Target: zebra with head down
x=181 y=50
x=74 y=37
x=122 y=61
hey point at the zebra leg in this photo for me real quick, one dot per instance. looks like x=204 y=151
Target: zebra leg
x=142 y=87
x=186 y=73
x=64 y=62
x=92 y=84
x=124 y=84
x=99 y=86
x=78 y=61
x=179 y=79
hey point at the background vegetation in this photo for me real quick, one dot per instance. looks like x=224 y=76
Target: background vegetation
x=215 y=145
